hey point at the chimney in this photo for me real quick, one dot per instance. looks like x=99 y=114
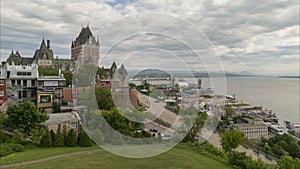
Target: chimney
x=48 y=44
x=59 y=71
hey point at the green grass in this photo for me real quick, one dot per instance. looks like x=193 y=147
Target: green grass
x=180 y=157
x=38 y=153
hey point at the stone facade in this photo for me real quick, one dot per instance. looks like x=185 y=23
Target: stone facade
x=85 y=49
x=254 y=129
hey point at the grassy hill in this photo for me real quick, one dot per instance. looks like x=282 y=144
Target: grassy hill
x=180 y=157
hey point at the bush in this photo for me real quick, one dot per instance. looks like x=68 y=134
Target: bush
x=206 y=147
x=5 y=149
x=17 y=147
x=9 y=148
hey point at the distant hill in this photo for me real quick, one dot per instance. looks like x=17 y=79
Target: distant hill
x=185 y=73
x=297 y=77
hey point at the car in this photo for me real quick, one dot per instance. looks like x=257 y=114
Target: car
x=165 y=137
x=154 y=130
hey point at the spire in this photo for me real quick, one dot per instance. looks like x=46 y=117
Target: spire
x=12 y=52
x=17 y=53
x=43 y=44
x=113 y=66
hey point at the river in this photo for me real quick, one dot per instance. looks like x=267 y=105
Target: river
x=278 y=94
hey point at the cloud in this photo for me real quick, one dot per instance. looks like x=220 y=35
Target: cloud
x=257 y=36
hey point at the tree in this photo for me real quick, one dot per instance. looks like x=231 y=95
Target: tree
x=287 y=162
x=71 y=139
x=64 y=132
x=48 y=71
x=84 y=140
x=37 y=134
x=104 y=98
x=193 y=121
x=68 y=76
x=46 y=140
x=18 y=137
x=59 y=142
x=53 y=135
x=101 y=73
x=25 y=117
x=231 y=139
x=56 y=107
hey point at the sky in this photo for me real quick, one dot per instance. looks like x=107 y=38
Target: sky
x=261 y=37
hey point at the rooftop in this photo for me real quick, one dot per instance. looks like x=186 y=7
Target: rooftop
x=58 y=118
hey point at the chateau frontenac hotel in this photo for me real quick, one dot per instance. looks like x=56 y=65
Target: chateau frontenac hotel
x=84 y=49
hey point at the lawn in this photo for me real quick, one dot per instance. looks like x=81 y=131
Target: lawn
x=180 y=157
x=38 y=153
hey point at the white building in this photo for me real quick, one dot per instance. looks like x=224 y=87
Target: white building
x=254 y=129
x=22 y=82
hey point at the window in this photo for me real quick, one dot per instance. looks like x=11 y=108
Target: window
x=45 y=99
x=1 y=82
x=18 y=82
x=32 y=82
x=0 y=72
x=23 y=73
x=72 y=125
x=1 y=92
x=24 y=94
x=32 y=94
x=24 y=82
x=13 y=82
x=8 y=74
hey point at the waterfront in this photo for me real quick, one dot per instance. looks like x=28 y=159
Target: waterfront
x=278 y=94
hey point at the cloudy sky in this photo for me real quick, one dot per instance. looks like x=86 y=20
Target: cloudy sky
x=261 y=37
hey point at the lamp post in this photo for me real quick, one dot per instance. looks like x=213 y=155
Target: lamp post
x=267 y=149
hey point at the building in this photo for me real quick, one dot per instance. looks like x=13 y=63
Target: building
x=85 y=49
x=253 y=128
x=3 y=95
x=69 y=121
x=43 y=57
x=50 y=90
x=21 y=82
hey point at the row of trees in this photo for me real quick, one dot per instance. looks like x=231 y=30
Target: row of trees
x=281 y=145
x=61 y=139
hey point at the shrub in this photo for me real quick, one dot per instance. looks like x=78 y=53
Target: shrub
x=46 y=140
x=71 y=139
x=206 y=147
x=17 y=147
x=18 y=137
x=84 y=140
x=5 y=150
x=59 y=142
